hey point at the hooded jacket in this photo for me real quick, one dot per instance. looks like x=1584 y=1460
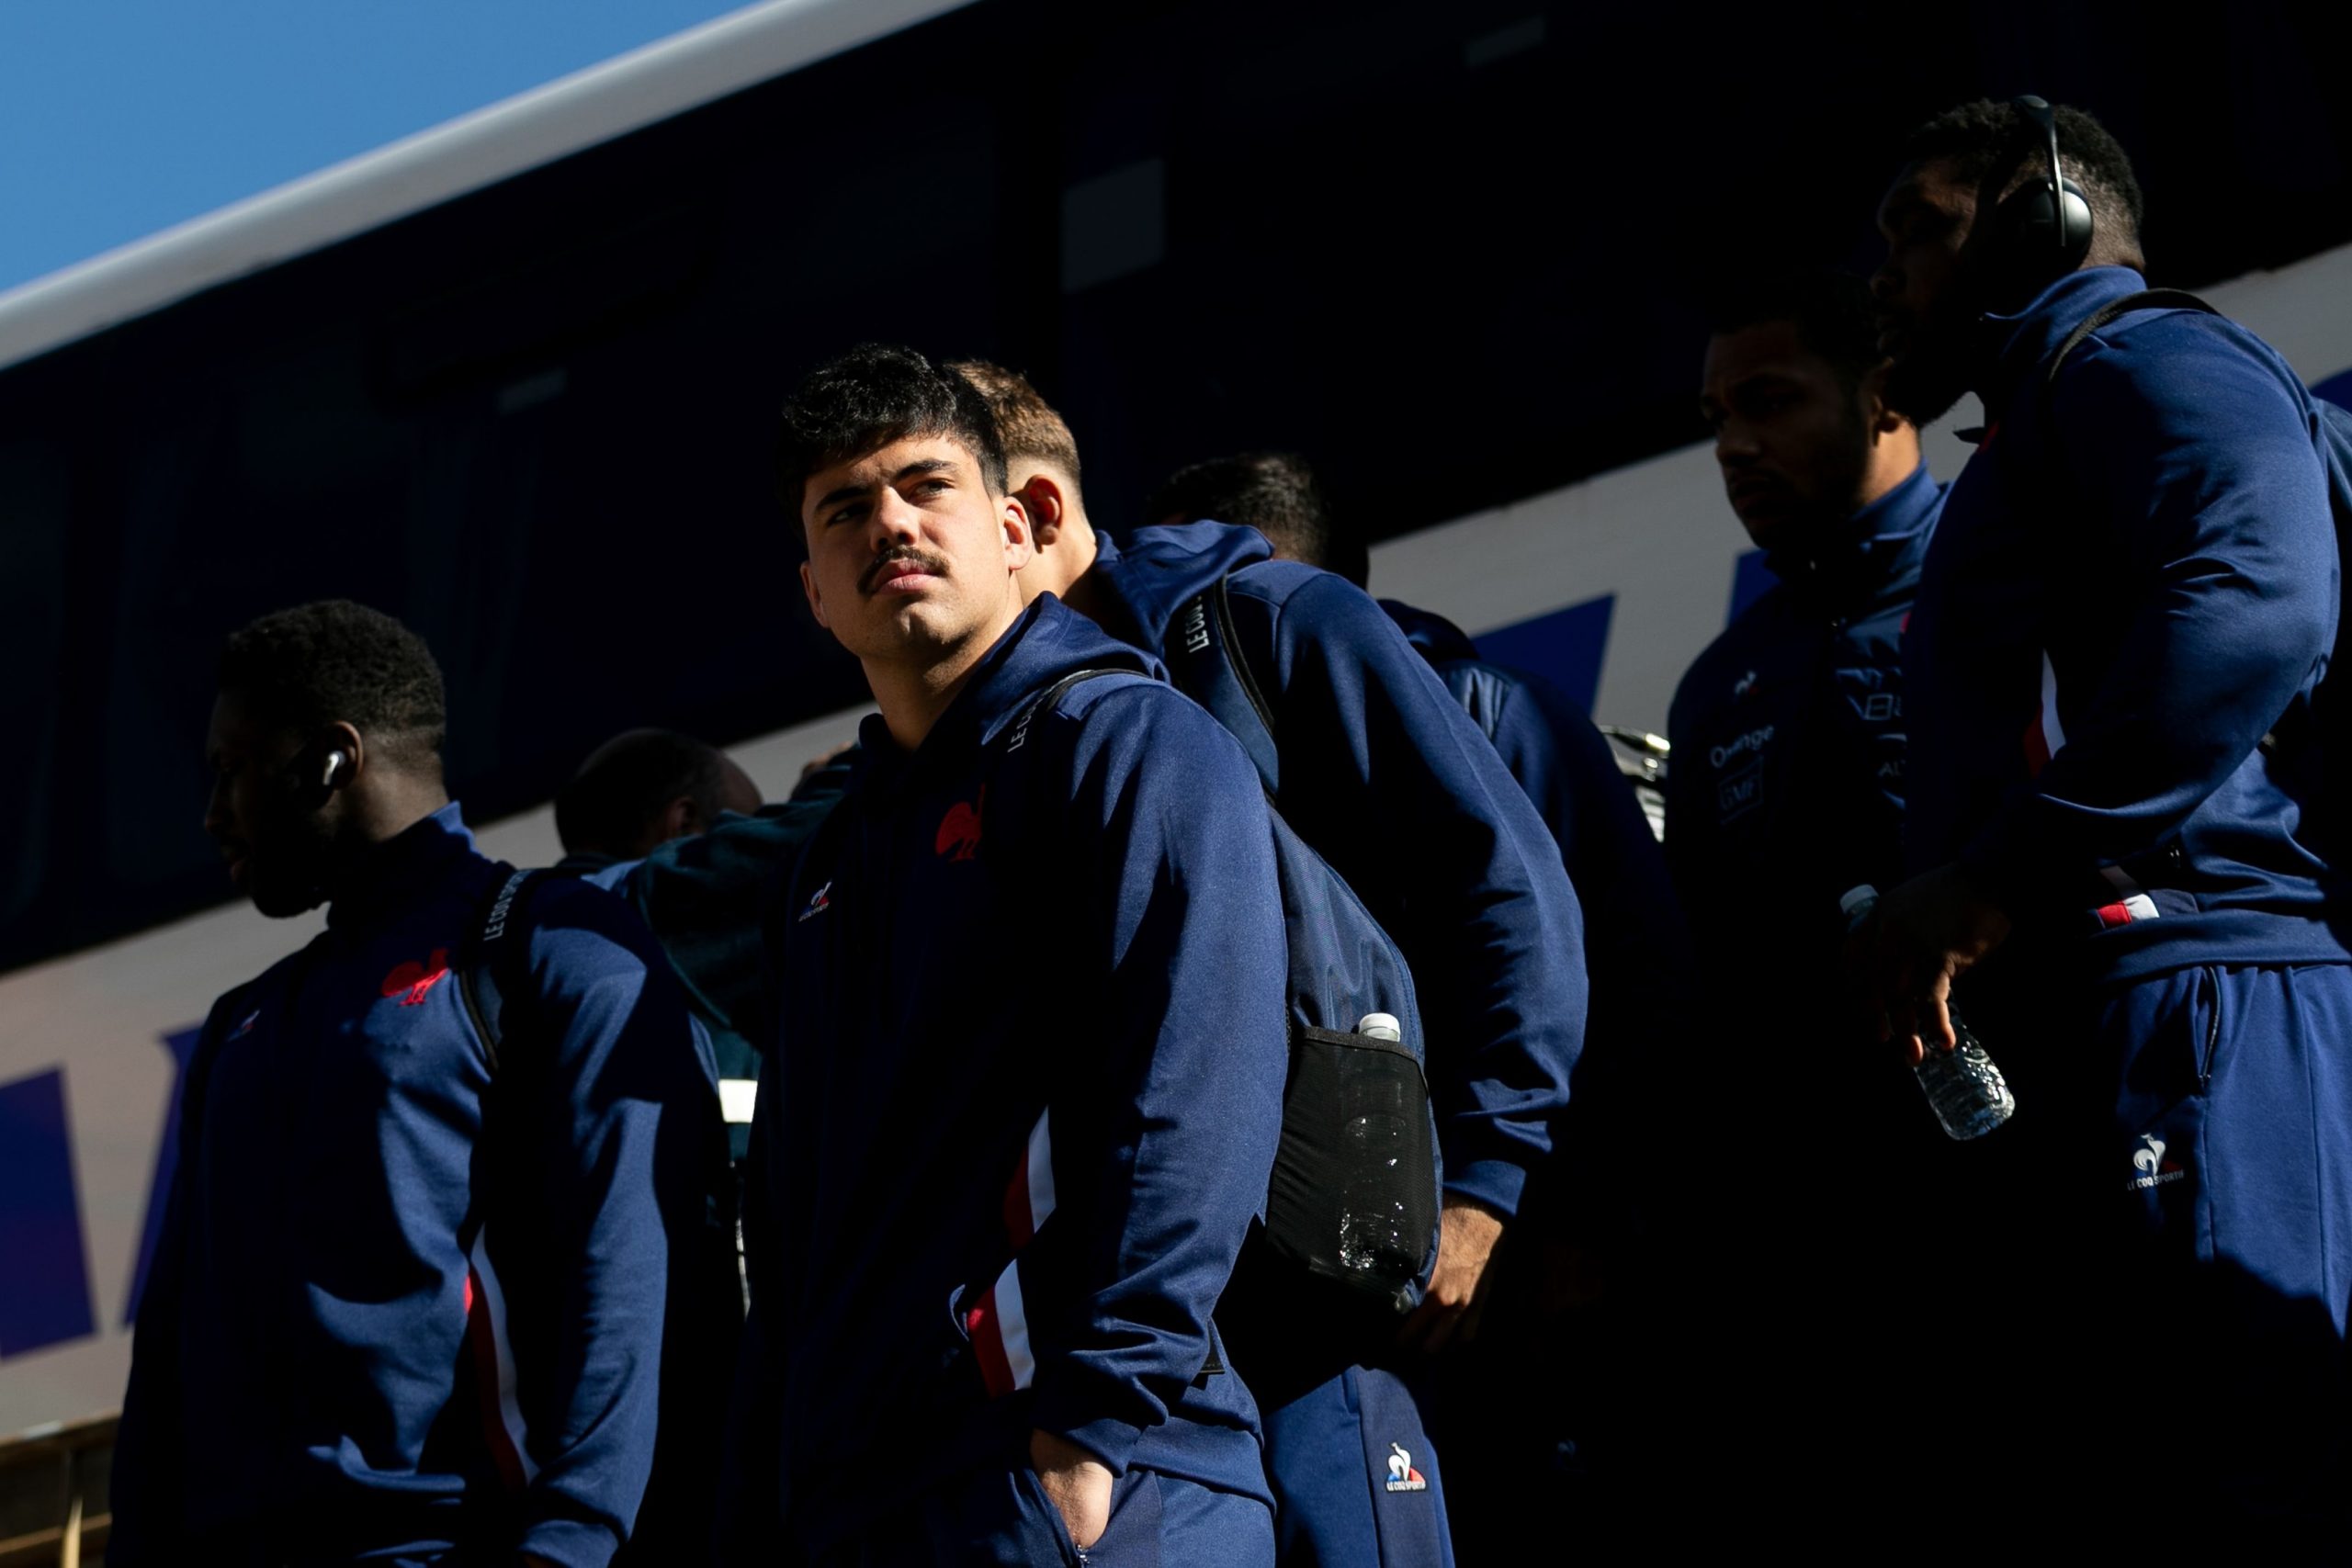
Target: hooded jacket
x=2119 y=629
x=404 y=1305
x=1030 y=1096
x=1391 y=782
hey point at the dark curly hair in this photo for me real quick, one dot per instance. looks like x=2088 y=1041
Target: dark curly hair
x=1993 y=144
x=1274 y=492
x=628 y=779
x=334 y=660
x=870 y=397
x=1830 y=311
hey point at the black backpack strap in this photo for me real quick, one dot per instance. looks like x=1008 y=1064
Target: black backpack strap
x=1014 y=737
x=1205 y=660
x=493 y=964
x=2146 y=300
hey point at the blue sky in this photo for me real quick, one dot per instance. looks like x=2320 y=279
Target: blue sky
x=118 y=117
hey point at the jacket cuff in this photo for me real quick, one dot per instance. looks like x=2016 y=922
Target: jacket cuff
x=1109 y=1439
x=575 y=1543
x=1497 y=1183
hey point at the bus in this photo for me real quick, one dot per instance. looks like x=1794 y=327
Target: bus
x=513 y=380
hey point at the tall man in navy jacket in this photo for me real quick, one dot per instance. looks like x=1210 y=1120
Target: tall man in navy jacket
x=1026 y=1103
x=2118 y=631
x=1386 y=778
x=409 y=1301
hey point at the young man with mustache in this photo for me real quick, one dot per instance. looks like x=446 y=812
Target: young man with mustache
x=1026 y=1101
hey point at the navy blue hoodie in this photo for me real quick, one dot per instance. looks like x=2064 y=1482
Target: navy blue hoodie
x=1387 y=778
x=402 y=1308
x=1028 y=1102
x=2135 y=583
x=1785 y=786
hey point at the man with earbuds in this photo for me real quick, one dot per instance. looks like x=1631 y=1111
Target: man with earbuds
x=2119 y=849
x=409 y=1298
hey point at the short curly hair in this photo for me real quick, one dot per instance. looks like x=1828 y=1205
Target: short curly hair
x=1992 y=143
x=1831 y=311
x=1274 y=492
x=870 y=397
x=337 y=660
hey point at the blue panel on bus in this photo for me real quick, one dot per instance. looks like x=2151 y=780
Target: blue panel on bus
x=1750 y=581
x=44 y=1278
x=1564 y=647
x=2337 y=389
x=181 y=1043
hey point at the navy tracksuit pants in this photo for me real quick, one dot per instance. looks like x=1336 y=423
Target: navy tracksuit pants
x=1355 y=1478
x=2143 y=1292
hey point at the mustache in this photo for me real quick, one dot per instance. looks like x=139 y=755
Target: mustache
x=923 y=559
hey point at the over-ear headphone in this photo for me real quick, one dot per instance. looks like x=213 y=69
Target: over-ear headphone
x=2043 y=227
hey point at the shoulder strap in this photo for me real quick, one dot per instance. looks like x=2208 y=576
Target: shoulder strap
x=1208 y=666
x=1004 y=783
x=2146 y=300
x=491 y=967
x=1013 y=737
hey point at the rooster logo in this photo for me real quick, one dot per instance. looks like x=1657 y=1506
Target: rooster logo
x=2150 y=1159
x=416 y=979
x=1402 y=1476
x=959 y=830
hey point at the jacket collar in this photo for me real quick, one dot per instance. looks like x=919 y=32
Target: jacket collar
x=402 y=870
x=1868 y=548
x=2012 y=348
x=1046 y=642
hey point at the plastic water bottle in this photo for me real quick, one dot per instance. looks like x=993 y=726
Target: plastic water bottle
x=1371 y=1221
x=1963 y=1087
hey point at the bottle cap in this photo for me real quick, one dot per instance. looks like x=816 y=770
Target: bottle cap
x=1855 y=898
x=1381 y=1026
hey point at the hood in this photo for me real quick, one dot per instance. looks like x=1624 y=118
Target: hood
x=1438 y=639
x=1158 y=570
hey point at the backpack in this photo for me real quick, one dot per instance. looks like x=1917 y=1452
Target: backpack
x=1350 y=1235
x=704 y=1317
x=1343 y=965
x=2319 y=739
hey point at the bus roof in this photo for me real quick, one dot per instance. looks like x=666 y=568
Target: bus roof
x=624 y=93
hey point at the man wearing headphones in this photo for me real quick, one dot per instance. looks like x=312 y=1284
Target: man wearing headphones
x=2119 y=633
x=409 y=1298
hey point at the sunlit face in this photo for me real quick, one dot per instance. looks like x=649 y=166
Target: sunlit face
x=265 y=814
x=1927 y=308
x=910 y=555
x=1792 y=437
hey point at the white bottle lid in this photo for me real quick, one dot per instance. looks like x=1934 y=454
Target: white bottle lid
x=1381 y=1026
x=1854 y=898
